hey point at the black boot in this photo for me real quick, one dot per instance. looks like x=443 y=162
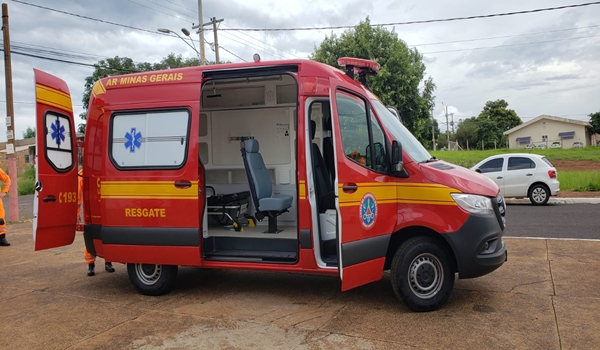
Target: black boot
x=3 y=241
x=91 y=269
x=108 y=267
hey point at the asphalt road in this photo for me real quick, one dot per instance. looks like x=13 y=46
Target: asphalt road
x=523 y=220
x=553 y=221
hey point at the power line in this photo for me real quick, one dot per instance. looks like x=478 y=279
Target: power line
x=90 y=18
x=510 y=45
x=96 y=19
x=504 y=37
x=418 y=22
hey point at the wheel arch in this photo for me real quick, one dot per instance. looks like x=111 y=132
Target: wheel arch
x=401 y=236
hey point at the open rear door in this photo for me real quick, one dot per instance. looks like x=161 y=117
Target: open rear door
x=55 y=203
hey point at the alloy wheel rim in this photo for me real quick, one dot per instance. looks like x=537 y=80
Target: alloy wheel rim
x=539 y=195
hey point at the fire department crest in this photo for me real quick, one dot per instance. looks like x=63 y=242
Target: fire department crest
x=368 y=210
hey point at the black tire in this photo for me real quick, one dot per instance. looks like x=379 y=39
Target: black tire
x=151 y=279
x=421 y=273
x=539 y=194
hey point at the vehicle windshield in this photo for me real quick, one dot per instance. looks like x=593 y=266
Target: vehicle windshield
x=410 y=144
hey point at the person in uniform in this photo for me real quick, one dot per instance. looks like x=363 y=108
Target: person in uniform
x=90 y=259
x=6 y=179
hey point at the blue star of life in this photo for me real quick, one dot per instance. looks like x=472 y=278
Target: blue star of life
x=58 y=132
x=133 y=140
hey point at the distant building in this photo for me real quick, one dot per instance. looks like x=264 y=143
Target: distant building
x=546 y=129
x=24 y=151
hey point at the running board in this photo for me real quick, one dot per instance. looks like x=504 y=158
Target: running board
x=252 y=255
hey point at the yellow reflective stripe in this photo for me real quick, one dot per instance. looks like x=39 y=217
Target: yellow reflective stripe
x=302 y=189
x=53 y=97
x=401 y=193
x=98 y=88
x=147 y=190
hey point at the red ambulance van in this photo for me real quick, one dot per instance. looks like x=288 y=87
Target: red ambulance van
x=282 y=166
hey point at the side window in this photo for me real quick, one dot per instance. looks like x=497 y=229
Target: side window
x=59 y=147
x=519 y=163
x=381 y=162
x=354 y=127
x=492 y=165
x=149 y=139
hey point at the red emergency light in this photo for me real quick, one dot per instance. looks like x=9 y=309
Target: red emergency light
x=358 y=63
x=360 y=66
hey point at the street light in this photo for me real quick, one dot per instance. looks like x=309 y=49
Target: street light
x=187 y=33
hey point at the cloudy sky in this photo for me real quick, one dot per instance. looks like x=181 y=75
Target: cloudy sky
x=540 y=63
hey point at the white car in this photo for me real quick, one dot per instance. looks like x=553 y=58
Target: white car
x=521 y=175
x=556 y=144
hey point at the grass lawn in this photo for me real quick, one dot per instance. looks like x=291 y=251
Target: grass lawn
x=470 y=158
x=581 y=181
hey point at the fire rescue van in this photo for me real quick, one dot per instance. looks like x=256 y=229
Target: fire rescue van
x=291 y=166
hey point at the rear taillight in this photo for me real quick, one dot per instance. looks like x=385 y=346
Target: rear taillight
x=552 y=173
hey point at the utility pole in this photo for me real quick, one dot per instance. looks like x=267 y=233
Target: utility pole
x=432 y=129
x=214 y=22
x=201 y=33
x=447 y=127
x=10 y=120
x=452 y=122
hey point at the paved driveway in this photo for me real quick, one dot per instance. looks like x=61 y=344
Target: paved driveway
x=547 y=296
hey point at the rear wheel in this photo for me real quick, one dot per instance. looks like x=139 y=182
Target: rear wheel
x=539 y=194
x=421 y=273
x=151 y=279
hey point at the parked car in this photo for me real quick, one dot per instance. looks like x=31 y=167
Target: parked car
x=529 y=146
x=521 y=175
x=541 y=146
x=556 y=144
x=577 y=144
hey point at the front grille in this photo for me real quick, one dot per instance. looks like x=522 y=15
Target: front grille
x=500 y=210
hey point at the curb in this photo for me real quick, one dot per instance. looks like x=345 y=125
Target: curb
x=554 y=200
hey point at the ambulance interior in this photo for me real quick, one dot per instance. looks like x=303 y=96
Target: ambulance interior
x=259 y=115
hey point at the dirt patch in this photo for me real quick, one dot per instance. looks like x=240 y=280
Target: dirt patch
x=575 y=165
x=573 y=194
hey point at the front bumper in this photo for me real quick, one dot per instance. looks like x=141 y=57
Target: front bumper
x=478 y=245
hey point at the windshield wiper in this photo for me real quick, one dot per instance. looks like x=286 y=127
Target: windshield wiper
x=432 y=159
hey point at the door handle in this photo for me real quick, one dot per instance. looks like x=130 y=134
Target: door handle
x=499 y=177
x=350 y=187
x=49 y=199
x=529 y=175
x=183 y=184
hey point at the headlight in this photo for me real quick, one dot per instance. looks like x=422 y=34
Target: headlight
x=473 y=203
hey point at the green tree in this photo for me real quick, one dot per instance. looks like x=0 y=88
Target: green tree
x=401 y=80
x=595 y=121
x=504 y=118
x=29 y=133
x=488 y=133
x=466 y=133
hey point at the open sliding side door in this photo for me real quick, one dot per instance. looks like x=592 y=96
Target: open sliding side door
x=55 y=203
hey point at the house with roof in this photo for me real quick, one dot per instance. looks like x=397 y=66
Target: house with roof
x=546 y=129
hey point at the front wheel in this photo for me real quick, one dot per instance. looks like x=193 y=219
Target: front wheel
x=151 y=279
x=539 y=195
x=421 y=273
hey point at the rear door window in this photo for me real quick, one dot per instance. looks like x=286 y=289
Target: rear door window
x=492 y=165
x=520 y=163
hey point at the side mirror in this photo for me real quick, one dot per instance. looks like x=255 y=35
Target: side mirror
x=397 y=164
x=478 y=170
